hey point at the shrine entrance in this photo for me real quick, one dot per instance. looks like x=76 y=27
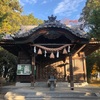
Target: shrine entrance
x=47 y=67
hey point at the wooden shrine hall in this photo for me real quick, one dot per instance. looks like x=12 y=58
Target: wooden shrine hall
x=50 y=48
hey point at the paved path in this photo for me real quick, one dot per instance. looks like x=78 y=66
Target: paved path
x=63 y=93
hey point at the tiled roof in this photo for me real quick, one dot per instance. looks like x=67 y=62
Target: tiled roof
x=51 y=22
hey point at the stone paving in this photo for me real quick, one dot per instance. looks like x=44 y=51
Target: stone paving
x=44 y=93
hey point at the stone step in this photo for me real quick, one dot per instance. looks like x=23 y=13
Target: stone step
x=60 y=84
x=40 y=84
x=44 y=93
x=52 y=95
x=44 y=84
x=56 y=94
x=70 y=98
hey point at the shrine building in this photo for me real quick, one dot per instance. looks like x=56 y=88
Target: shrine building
x=50 y=48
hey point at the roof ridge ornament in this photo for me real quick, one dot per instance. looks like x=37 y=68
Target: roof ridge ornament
x=52 y=18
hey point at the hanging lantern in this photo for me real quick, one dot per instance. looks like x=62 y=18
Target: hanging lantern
x=45 y=53
x=68 y=48
x=52 y=55
x=39 y=51
x=64 y=51
x=57 y=54
x=34 y=49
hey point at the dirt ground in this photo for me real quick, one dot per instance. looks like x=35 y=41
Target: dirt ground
x=95 y=83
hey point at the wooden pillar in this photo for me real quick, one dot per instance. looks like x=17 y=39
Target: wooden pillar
x=84 y=66
x=71 y=72
x=33 y=64
x=64 y=72
x=65 y=77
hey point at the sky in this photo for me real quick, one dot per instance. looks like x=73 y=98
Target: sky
x=41 y=9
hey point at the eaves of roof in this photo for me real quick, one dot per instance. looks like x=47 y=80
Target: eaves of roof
x=51 y=23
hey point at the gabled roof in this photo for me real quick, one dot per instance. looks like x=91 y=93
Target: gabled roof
x=50 y=23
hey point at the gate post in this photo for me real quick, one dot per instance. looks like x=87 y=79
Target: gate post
x=71 y=72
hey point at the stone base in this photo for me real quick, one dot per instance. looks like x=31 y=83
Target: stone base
x=44 y=84
x=22 y=84
x=79 y=84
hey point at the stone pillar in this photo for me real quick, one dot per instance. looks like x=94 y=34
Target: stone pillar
x=71 y=72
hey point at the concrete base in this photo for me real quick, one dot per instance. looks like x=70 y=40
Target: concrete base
x=23 y=84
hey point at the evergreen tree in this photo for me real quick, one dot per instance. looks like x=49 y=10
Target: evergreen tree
x=91 y=16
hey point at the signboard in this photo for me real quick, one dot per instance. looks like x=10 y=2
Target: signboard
x=24 y=69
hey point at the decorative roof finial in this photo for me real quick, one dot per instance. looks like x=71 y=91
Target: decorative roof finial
x=52 y=18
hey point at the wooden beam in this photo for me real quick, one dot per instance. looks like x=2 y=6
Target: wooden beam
x=50 y=44
x=79 y=49
x=94 y=42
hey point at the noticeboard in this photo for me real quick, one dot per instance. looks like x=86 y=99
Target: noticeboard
x=24 y=69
